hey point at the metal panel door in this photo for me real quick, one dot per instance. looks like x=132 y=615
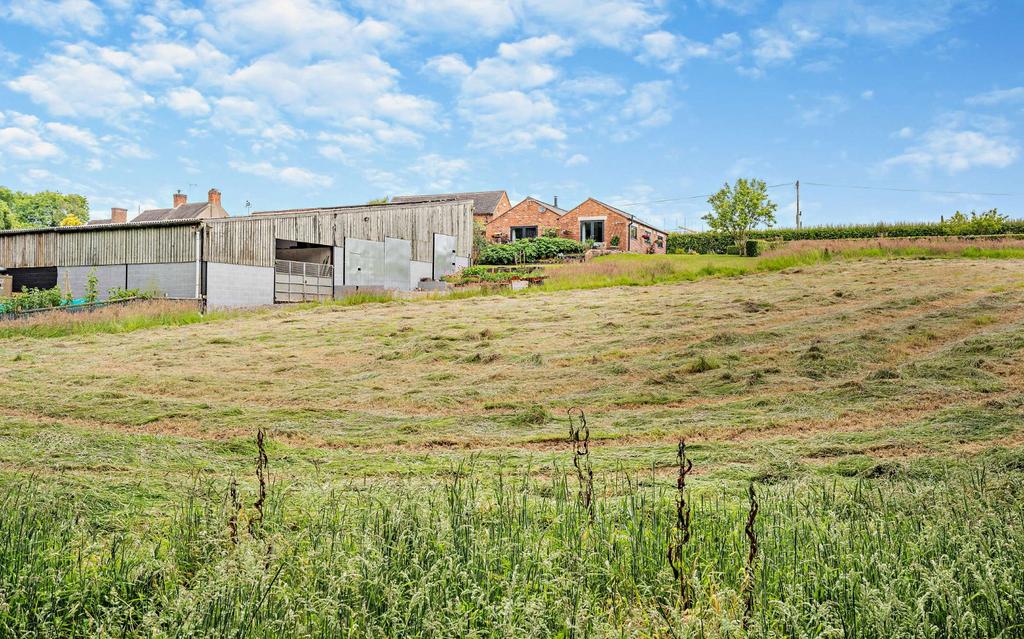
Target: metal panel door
x=364 y=262
x=444 y=255
x=397 y=263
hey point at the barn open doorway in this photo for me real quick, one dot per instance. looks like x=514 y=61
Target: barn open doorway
x=303 y=272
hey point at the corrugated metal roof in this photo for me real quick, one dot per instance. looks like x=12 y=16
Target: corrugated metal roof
x=85 y=228
x=353 y=208
x=183 y=212
x=484 y=202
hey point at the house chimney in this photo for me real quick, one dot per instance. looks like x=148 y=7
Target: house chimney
x=213 y=197
x=179 y=198
x=118 y=216
x=556 y=201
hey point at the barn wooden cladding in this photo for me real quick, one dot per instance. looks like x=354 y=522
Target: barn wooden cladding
x=250 y=240
x=99 y=247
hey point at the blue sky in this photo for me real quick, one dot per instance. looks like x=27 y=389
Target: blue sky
x=635 y=102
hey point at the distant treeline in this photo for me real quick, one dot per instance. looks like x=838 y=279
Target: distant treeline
x=46 y=208
x=987 y=223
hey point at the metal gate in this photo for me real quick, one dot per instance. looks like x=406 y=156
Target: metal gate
x=302 y=281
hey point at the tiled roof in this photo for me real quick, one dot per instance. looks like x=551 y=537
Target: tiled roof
x=183 y=212
x=99 y=222
x=484 y=202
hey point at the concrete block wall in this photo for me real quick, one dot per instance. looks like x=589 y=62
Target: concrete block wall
x=176 y=279
x=77 y=278
x=234 y=285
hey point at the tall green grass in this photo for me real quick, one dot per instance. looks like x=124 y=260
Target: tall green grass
x=516 y=557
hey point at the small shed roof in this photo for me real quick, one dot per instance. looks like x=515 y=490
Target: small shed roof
x=183 y=212
x=484 y=202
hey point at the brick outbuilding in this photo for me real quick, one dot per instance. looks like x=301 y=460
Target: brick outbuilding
x=611 y=228
x=529 y=218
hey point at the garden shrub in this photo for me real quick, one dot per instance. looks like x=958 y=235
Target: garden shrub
x=32 y=298
x=531 y=250
x=756 y=248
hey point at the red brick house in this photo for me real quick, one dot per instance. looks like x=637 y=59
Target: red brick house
x=486 y=204
x=529 y=218
x=611 y=228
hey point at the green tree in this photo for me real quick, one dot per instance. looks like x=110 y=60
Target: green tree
x=47 y=208
x=738 y=209
x=6 y=216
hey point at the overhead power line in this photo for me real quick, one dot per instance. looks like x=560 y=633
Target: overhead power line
x=902 y=190
x=835 y=186
x=693 y=197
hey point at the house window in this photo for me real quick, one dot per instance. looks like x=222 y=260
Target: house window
x=632 y=232
x=523 y=232
x=592 y=231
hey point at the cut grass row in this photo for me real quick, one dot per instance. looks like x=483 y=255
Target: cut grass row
x=607 y=271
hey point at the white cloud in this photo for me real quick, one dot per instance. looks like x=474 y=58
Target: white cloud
x=648 y=105
x=475 y=18
x=959 y=143
x=867 y=94
x=814 y=110
x=672 y=51
x=577 y=159
x=187 y=101
x=802 y=24
x=998 y=96
x=612 y=23
x=73 y=134
x=68 y=86
x=439 y=172
x=56 y=15
x=739 y=7
x=26 y=144
x=513 y=120
x=297 y=30
x=595 y=84
x=291 y=175
x=448 y=65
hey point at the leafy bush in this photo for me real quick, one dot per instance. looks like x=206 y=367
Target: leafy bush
x=756 y=248
x=476 y=274
x=530 y=250
x=32 y=298
x=988 y=223
x=119 y=294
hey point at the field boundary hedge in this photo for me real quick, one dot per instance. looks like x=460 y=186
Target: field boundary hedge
x=710 y=242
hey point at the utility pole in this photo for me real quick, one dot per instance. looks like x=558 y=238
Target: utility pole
x=798 y=222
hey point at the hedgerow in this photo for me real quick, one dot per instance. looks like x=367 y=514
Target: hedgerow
x=987 y=223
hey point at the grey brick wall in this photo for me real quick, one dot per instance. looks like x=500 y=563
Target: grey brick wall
x=77 y=277
x=176 y=279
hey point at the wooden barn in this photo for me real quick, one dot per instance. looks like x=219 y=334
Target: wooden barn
x=267 y=257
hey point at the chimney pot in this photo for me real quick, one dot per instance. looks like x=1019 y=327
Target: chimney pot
x=118 y=215
x=213 y=197
x=556 y=201
x=179 y=198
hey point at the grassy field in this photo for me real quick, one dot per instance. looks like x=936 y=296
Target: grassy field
x=421 y=483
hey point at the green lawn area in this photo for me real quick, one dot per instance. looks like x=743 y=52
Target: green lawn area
x=421 y=482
